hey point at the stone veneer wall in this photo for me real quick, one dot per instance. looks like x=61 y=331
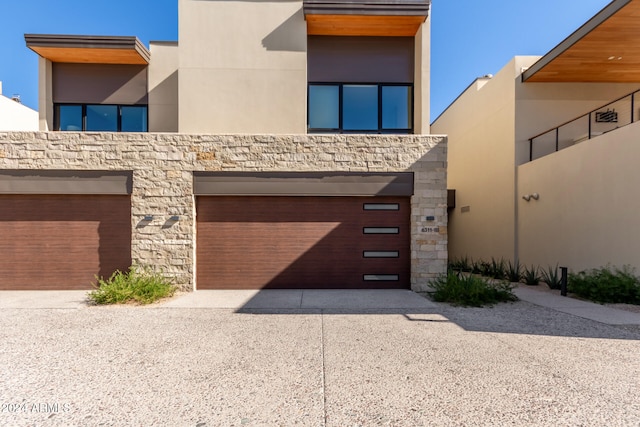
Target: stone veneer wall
x=162 y=166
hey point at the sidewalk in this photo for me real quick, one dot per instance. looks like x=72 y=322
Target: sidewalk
x=585 y=309
x=319 y=299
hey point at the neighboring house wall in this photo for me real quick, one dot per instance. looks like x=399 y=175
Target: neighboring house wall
x=15 y=116
x=480 y=126
x=163 y=87
x=163 y=166
x=587 y=213
x=542 y=106
x=489 y=127
x=243 y=67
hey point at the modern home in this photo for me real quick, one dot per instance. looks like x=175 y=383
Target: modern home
x=543 y=155
x=274 y=145
x=14 y=115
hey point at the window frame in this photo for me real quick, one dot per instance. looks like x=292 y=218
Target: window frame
x=56 y=116
x=380 y=129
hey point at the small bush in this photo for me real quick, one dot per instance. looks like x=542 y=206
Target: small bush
x=460 y=264
x=530 y=276
x=497 y=269
x=514 y=272
x=606 y=286
x=142 y=286
x=551 y=278
x=476 y=266
x=468 y=290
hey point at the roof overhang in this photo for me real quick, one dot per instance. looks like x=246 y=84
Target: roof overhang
x=605 y=49
x=89 y=49
x=365 y=18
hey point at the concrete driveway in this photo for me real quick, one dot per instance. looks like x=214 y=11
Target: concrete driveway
x=329 y=358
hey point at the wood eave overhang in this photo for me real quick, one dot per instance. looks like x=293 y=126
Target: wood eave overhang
x=605 y=49
x=89 y=49
x=365 y=18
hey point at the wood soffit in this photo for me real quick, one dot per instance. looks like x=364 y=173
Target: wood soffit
x=361 y=25
x=605 y=49
x=89 y=49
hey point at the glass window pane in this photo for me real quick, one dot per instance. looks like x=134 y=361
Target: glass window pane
x=70 y=117
x=102 y=118
x=134 y=119
x=324 y=107
x=396 y=107
x=360 y=107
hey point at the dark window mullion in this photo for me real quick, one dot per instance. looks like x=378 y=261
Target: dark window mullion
x=84 y=117
x=340 y=109
x=379 y=108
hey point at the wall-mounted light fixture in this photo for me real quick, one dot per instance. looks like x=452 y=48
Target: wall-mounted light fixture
x=534 y=196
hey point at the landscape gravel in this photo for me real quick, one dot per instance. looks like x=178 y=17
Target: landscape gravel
x=511 y=364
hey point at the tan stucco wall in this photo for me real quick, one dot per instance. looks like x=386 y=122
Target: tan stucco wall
x=242 y=67
x=587 y=213
x=45 y=94
x=480 y=126
x=422 y=79
x=163 y=87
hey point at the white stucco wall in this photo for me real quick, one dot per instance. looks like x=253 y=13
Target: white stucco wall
x=15 y=116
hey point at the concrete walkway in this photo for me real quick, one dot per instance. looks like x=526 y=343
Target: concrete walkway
x=337 y=300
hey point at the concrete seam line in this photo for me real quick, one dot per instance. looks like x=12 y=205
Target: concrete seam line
x=324 y=372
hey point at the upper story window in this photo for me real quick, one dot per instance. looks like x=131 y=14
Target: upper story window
x=365 y=108
x=100 y=118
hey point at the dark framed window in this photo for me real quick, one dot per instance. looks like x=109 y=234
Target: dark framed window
x=360 y=107
x=101 y=117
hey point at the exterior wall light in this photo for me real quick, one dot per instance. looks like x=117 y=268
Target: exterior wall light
x=526 y=197
x=534 y=196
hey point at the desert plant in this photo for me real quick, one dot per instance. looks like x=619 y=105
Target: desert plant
x=605 y=285
x=469 y=290
x=497 y=269
x=476 y=266
x=551 y=278
x=465 y=265
x=140 y=285
x=514 y=273
x=530 y=276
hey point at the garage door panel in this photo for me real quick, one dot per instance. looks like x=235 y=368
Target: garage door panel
x=62 y=241
x=297 y=242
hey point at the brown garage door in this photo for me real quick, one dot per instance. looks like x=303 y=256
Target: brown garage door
x=62 y=241
x=302 y=242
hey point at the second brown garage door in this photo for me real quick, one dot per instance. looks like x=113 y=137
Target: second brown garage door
x=302 y=242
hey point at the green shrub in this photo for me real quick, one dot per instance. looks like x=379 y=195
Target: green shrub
x=497 y=269
x=551 y=278
x=469 y=290
x=606 y=286
x=530 y=276
x=476 y=266
x=142 y=286
x=460 y=264
x=514 y=273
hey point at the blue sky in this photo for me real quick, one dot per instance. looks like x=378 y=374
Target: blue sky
x=469 y=38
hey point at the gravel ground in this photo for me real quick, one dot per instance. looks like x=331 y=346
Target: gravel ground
x=513 y=364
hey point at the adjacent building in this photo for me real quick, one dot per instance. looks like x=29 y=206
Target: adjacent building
x=15 y=116
x=543 y=155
